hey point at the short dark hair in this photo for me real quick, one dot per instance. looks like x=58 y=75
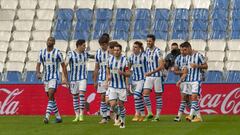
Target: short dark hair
x=151 y=36
x=106 y=35
x=112 y=44
x=118 y=46
x=174 y=44
x=140 y=45
x=103 y=39
x=80 y=42
x=185 y=45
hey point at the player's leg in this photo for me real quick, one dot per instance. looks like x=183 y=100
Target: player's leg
x=138 y=100
x=182 y=103
x=103 y=109
x=158 y=87
x=122 y=96
x=194 y=99
x=112 y=99
x=75 y=95
x=82 y=85
x=148 y=85
x=52 y=90
x=49 y=105
x=198 y=117
x=109 y=110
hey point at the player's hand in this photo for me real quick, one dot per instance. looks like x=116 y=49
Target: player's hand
x=178 y=83
x=65 y=82
x=120 y=72
x=96 y=85
x=39 y=76
x=148 y=74
x=194 y=65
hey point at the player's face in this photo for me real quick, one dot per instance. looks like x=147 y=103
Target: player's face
x=82 y=47
x=150 y=42
x=174 y=47
x=184 y=51
x=190 y=50
x=50 y=42
x=117 y=51
x=110 y=50
x=104 y=46
x=136 y=49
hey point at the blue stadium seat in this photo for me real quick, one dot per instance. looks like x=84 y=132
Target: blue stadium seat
x=161 y=35
x=214 y=77
x=141 y=25
x=200 y=25
x=65 y=14
x=235 y=34
x=83 y=25
x=172 y=77
x=201 y=14
x=236 y=4
x=218 y=35
x=180 y=35
x=180 y=25
x=160 y=25
x=123 y=14
x=139 y=34
x=236 y=25
x=235 y=14
x=103 y=14
x=220 y=4
x=63 y=25
x=31 y=77
x=122 y=25
x=84 y=14
x=62 y=35
x=161 y=14
x=120 y=35
x=233 y=76
x=144 y=14
x=81 y=35
x=102 y=25
x=219 y=25
x=181 y=14
x=198 y=34
x=14 y=76
x=219 y=14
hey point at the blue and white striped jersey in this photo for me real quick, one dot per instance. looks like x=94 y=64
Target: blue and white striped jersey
x=153 y=57
x=195 y=74
x=117 y=81
x=139 y=66
x=181 y=62
x=51 y=61
x=102 y=59
x=77 y=62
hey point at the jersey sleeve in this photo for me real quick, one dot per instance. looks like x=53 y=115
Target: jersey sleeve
x=40 y=59
x=202 y=59
x=68 y=57
x=159 y=54
x=60 y=57
x=96 y=57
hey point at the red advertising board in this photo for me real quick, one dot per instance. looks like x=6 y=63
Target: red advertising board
x=31 y=100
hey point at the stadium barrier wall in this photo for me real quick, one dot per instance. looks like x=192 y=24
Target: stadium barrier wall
x=30 y=99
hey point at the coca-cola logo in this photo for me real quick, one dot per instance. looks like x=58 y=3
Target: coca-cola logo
x=227 y=103
x=8 y=105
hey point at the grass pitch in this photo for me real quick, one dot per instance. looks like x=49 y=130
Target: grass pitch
x=33 y=125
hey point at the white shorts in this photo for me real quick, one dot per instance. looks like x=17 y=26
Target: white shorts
x=102 y=87
x=137 y=86
x=51 y=84
x=195 y=87
x=117 y=94
x=185 y=88
x=77 y=86
x=156 y=82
